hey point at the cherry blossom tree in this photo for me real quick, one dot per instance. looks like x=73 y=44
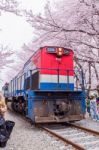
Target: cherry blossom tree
x=5 y=52
x=4 y=56
x=10 y=6
x=74 y=26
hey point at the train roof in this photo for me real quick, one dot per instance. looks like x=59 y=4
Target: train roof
x=29 y=60
x=41 y=49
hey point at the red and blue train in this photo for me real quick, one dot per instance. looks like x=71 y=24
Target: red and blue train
x=44 y=90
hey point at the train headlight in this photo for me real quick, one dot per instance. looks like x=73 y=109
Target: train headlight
x=59 y=52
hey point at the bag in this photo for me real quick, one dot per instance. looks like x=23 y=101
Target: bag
x=6 y=128
x=9 y=126
x=3 y=132
x=3 y=140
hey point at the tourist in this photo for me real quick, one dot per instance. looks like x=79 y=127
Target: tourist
x=88 y=105
x=3 y=107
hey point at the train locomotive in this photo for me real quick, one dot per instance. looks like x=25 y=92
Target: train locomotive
x=44 y=90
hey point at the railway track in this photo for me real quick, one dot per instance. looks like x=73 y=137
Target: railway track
x=79 y=137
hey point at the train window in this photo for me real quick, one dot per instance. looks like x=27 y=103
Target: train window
x=51 y=50
x=66 y=51
x=58 y=50
x=6 y=88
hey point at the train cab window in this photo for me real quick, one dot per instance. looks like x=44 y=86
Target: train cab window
x=51 y=50
x=58 y=50
x=66 y=51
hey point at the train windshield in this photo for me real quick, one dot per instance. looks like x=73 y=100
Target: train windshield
x=58 y=50
x=51 y=50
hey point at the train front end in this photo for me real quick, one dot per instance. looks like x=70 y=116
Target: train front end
x=54 y=98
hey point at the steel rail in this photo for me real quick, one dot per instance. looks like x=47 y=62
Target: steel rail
x=84 y=128
x=63 y=139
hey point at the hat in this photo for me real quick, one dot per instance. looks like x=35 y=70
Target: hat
x=92 y=96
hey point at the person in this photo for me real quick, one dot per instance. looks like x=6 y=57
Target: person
x=3 y=131
x=93 y=108
x=3 y=107
x=88 y=105
x=97 y=101
x=6 y=126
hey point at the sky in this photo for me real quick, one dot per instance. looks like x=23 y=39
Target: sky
x=15 y=31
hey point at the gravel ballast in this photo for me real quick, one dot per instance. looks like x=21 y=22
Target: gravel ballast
x=27 y=137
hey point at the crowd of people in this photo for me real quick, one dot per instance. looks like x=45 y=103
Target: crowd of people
x=92 y=106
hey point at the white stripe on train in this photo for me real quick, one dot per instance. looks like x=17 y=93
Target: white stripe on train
x=54 y=78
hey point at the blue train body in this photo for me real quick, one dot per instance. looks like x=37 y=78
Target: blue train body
x=45 y=89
